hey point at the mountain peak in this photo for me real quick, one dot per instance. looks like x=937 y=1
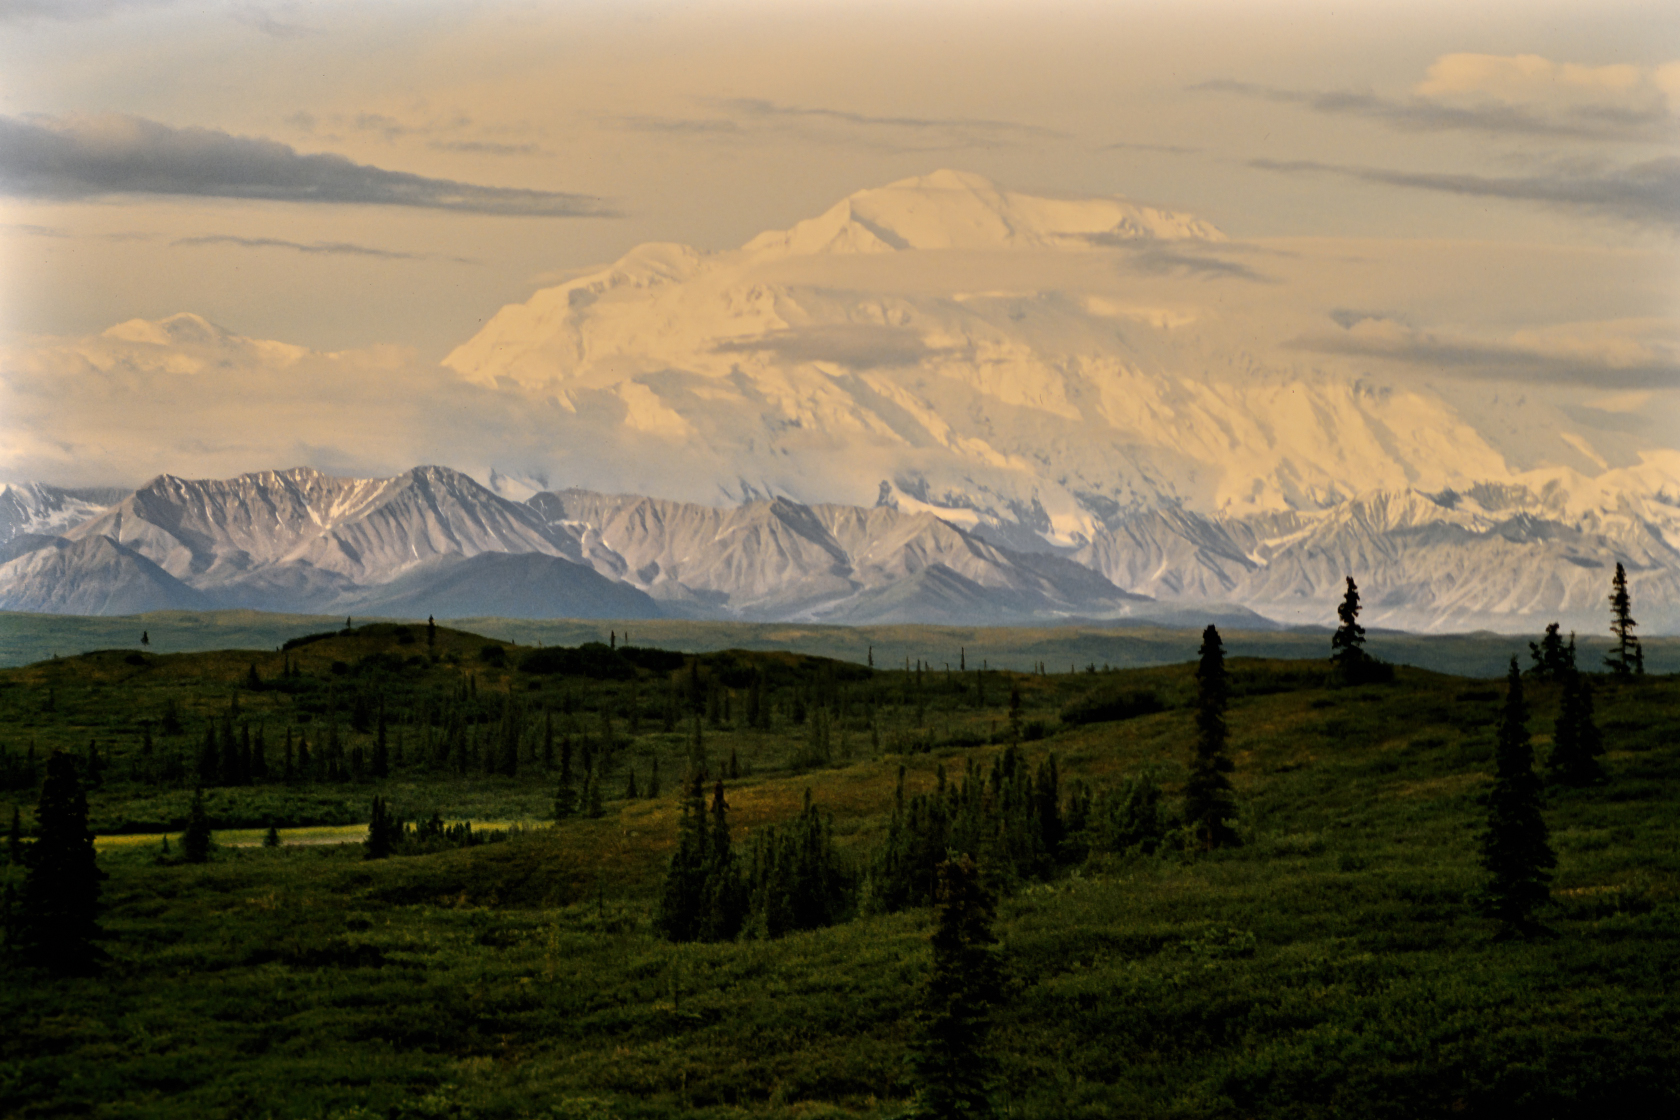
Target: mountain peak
x=950 y=209
x=181 y=329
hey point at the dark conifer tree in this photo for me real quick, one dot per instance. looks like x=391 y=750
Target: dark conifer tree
x=1627 y=659
x=653 y=779
x=592 y=806
x=565 y=800
x=253 y=680
x=271 y=838
x=683 y=899
x=56 y=925
x=1576 y=744
x=210 y=757
x=1347 y=644
x=1516 y=850
x=196 y=840
x=381 y=749
x=630 y=792
x=1209 y=806
x=431 y=631
x=725 y=901
x=1047 y=795
x=948 y=1062
x=384 y=831
x=1553 y=660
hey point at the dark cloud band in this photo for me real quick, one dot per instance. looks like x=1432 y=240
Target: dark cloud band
x=1645 y=193
x=87 y=157
x=1420 y=114
x=1490 y=361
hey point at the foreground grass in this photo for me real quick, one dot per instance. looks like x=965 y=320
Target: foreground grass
x=1333 y=965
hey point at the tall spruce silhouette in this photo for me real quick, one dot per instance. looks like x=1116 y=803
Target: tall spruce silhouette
x=56 y=926
x=1516 y=851
x=1209 y=806
x=1553 y=660
x=196 y=841
x=1347 y=644
x=1576 y=743
x=1627 y=659
x=947 y=1062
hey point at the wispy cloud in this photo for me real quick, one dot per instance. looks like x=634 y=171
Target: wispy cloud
x=1626 y=366
x=487 y=148
x=68 y=11
x=263 y=19
x=1135 y=146
x=1422 y=114
x=1646 y=193
x=329 y=248
x=751 y=117
x=88 y=157
x=32 y=230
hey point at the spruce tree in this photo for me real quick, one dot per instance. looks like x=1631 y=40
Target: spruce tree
x=683 y=899
x=653 y=779
x=381 y=749
x=1516 y=851
x=196 y=840
x=724 y=905
x=384 y=831
x=1576 y=744
x=1627 y=659
x=947 y=1061
x=56 y=925
x=1347 y=644
x=271 y=838
x=1209 y=806
x=1553 y=661
x=592 y=806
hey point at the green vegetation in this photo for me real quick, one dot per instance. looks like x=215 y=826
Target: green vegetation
x=762 y=939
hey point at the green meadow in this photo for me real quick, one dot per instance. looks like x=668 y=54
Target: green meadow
x=1334 y=964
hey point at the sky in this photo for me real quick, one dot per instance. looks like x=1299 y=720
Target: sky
x=381 y=178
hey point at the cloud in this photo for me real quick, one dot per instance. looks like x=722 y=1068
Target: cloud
x=1158 y=260
x=1617 y=363
x=70 y=11
x=1131 y=146
x=33 y=230
x=751 y=117
x=89 y=157
x=1517 y=95
x=1422 y=114
x=1534 y=79
x=1645 y=193
x=333 y=248
x=854 y=345
x=487 y=148
x=263 y=19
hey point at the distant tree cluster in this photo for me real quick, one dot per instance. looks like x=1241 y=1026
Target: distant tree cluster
x=793 y=878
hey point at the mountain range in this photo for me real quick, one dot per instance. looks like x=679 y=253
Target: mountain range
x=938 y=401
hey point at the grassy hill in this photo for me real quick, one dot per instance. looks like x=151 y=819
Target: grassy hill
x=1333 y=964
x=25 y=638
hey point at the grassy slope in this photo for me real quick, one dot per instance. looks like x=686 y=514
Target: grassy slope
x=1331 y=966
x=25 y=638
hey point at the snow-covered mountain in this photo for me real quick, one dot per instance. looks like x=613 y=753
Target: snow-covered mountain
x=37 y=508
x=1000 y=359
x=434 y=541
x=937 y=401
